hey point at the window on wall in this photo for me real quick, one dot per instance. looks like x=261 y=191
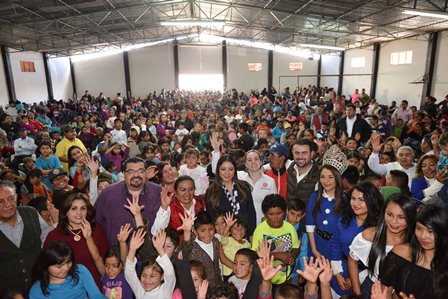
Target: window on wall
x=201 y=82
x=27 y=66
x=254 y=67
x=358 y=62
x=398 y=58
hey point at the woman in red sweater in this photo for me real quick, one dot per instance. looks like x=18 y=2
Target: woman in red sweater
x=78 y=229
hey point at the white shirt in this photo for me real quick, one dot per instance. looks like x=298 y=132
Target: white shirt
x=350 y=122
x=262 y=187
x=25 y=146
x=360 y=250
x=199 y=176
x=384 y=169
x=119 y=136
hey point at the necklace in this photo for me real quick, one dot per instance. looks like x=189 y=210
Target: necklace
x=77 y=236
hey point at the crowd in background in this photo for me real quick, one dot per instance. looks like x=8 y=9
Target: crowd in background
x=273 y=194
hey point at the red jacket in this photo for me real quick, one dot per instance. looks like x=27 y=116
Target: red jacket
x=177 y=209
x=317 y=123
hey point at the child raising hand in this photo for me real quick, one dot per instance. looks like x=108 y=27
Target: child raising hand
x=157 y=278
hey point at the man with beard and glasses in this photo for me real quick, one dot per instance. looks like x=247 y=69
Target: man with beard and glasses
x=111 y=212
x=302 y=173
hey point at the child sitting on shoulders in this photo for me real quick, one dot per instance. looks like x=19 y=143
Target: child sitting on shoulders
x=195 y=171
x=231 y=244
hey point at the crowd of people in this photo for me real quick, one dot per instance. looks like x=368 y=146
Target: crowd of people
x=293 y=194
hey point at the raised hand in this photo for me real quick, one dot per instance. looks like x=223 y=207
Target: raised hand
x=229 y=219
x=165 y=199
x=187 y=222
x=327 y=273
x=159 y=241
x=214 y=141
x=202 y=290
x=311 y=271
x=264 y=249
x=86 y=229
x=92 y=165
x=267 y=269
x=123 y=235
x=376 y=144
x=151 y=172
x=137 y=240
x=133 y=206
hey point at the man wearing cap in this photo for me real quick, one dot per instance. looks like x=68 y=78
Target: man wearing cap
x=110 y=205
x=22 y=231
x=278 y=155
x=24 y=147
x=302 y=174
x=59 y=180
x=68 y=141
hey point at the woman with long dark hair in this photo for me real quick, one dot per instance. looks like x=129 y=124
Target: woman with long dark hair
x=419 y=268
x=369 y=248
x=56 y=275
x=360 y=211
x=230 y=194
x=78 y=229
x=323 y=211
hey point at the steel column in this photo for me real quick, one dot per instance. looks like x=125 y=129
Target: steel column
x=48 y=77
x=176 y=63
x=224 y=63
x=8 y=74
x=429 y=66
x=341 y=73
x=270 y=70
x=127 y=76
x=375 y=64
x=72 y=73
x=319 y=70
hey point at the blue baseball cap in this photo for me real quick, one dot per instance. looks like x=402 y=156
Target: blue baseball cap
x=280 y=149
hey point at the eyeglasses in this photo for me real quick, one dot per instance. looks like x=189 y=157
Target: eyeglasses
x=135 y=171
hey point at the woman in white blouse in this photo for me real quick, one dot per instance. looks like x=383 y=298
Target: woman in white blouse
x=369 y=248
x=261 y=184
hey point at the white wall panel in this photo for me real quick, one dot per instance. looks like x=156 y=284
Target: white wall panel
x=4 y=98
x=440 y=79
x=350 y=83
x=394 y=80
x=151 y=69
x=238 y=75
x=200 y=59
x=281 y=68
x=61 y=78
x=30 y=86
x=104 y=74
x=330 y=66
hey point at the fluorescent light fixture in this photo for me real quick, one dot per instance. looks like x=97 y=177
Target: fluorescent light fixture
x=322 y=47
x=193 y=23
x=422 y=13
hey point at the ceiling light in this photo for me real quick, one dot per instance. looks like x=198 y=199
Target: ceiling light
x=322 y=47
x=422 y=13
x=193 y=23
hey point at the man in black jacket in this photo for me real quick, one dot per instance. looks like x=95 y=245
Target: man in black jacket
x=353 y=124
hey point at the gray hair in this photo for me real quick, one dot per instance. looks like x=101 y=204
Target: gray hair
x=405 y=147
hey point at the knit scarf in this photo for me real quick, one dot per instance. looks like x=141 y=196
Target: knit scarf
x=233 y=198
